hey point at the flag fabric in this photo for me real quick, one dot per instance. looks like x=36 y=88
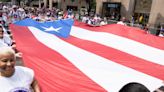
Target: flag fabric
x=60 y=28
x=91 y=59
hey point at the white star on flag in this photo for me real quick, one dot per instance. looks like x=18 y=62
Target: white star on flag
x=52 y=29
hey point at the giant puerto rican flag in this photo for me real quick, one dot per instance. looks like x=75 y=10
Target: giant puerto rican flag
x=89 y=59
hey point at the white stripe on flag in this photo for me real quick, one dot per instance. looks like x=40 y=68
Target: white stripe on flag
x=101 y=70
x=123 y=44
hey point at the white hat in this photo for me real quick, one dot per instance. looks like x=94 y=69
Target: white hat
x=21 y=9
x=4 y=7
x=14 y=6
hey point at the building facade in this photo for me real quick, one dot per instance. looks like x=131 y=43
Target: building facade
x=151 y=10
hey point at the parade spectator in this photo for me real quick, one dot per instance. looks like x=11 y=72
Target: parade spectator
x=158 y=30
x=70 y=11
x=146 y=28
x=141 y=19
x=134 y=87
x=5 y=40
x=21 y=78
x=14 y=14
x=162 y=30
x=122 y=22
x=77 y=16
x=104 y=21
x=85 y=18
x=132 y=20
x=4 y=19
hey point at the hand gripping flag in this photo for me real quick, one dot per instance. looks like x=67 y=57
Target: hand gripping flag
x=91 y=59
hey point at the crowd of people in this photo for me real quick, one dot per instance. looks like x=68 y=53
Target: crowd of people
x=20 y=75
x=16 y=13
x=95 y=20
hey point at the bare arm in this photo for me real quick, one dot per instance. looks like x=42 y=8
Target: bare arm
x=35 y=86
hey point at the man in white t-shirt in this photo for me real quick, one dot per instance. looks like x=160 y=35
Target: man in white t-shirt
x=15 y=78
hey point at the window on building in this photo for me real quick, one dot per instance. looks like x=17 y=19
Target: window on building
x=142 y=9
x=111 y=10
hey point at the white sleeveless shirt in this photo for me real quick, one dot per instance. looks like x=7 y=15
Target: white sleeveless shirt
x=19 y=82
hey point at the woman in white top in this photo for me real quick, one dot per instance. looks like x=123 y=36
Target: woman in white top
x=15 y=78
x=5 y=40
